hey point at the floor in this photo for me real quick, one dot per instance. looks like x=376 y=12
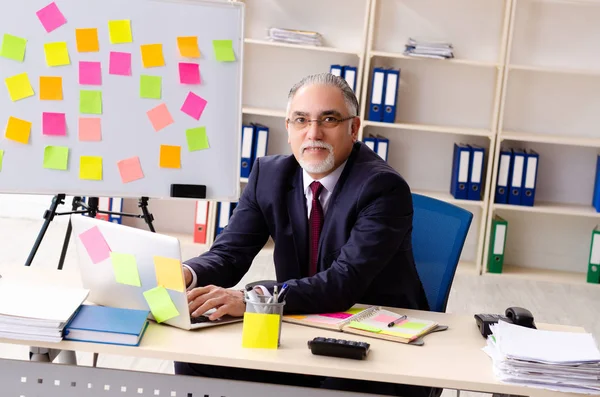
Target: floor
x=574 y=304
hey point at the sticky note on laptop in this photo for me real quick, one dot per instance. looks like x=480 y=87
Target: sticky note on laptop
x=95 y=244
x=161 y=305
x=125 y=269
x=169 y=273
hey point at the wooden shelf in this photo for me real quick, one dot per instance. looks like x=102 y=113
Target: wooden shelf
x=332 y=50
x=263 y=112
x=546 y=69
x=553 y=209
x=537 y=274
x=447 y=197
x=431 y=128
x=546 y=138
x=453 y=61
x=467 y=268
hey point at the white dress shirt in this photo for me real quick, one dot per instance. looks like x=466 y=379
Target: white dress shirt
x=328 y=183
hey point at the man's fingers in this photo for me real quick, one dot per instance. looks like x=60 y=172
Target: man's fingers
x=220 y=312
x=196 y=292
x=210 y=304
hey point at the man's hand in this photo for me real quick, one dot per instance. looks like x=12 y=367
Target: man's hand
x=226 y=301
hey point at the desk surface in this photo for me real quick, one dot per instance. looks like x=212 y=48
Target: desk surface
x=450 y=359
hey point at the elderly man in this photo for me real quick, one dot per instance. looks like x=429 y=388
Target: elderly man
x=341 y=219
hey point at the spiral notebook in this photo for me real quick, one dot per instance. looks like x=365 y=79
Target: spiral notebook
x=372 y=322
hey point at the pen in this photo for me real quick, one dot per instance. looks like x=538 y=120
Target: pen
x=283 y=293
x=396 y=321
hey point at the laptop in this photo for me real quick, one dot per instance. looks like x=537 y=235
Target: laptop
x=98 y=276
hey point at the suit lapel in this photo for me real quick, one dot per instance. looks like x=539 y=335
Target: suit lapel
x=296 y=202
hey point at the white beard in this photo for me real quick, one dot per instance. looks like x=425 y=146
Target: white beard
x=318 y=167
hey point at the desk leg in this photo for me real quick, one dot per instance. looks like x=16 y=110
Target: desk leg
x=41 y=354
x=29 y=378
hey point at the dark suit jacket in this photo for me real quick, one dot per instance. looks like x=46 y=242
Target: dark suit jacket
x=365 y=253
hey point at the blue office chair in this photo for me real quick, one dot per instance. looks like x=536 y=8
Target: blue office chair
x=439 y=233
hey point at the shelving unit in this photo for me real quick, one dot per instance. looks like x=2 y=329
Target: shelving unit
x=549 y=104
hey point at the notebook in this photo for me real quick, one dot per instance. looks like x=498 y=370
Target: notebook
x=102 y=324
x=372 y=322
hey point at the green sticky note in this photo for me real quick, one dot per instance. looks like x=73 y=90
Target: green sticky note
x=56 y=157
x=125 y=268
x=150 y=86
x=160 y=303
x=90 y=102
x=13 y=47
x=411 y=325
x=1 y=157
x=197 y=139
x=364 y=327
x=224 y=50
x=354 y=310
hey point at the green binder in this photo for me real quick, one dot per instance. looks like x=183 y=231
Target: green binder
x=593 y=273
x=497 y=244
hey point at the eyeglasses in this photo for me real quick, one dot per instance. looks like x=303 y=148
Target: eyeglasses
x=301 y=123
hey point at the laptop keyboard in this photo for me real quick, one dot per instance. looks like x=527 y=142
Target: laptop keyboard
x=200 y=319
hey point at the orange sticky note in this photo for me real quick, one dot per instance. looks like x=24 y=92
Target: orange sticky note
x=152 y=55
x=160 y=117
x=90 y=167
x=51 y=88
x=19 y=86
x=170 y=156
x=188 y=46
x=87 y=40
x=18 y=130
x=168 y=273
x=130 y=169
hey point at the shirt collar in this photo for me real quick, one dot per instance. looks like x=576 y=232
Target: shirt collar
x=328 y=182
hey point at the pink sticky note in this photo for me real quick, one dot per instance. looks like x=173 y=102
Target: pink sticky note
x=160 y=117
x=95 y=244
x=51 y=17
x=384 y=318
x=90 y=73
x=194 y=105
x=130 y=169
x=189 y=73
x=54 y=124
x=90 y=129
x=120 y=63
x=341 y=316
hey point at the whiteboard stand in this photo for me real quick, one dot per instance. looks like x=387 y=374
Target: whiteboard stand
x=90 y=209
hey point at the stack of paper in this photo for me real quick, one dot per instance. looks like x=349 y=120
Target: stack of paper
x=37 y=313
x=295 y=36
x=428 y=49
x=562 y=361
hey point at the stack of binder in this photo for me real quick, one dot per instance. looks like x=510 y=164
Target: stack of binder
x=224 y=211
x=497 y=244
x=428 y=49
x=517 y=177
x=593 y=273
x=596 y=198
x=295 y=36
x=255 y=140
x=379 y=144
x=467 y=172
x=384 y=95
x=346 y=72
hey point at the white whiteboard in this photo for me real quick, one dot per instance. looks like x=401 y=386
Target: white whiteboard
x=126 y=129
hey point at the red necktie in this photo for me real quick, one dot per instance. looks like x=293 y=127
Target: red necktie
x=316 y=223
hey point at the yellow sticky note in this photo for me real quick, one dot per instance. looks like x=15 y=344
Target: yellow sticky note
x=87 y=40
x=19 y=86
x=152 y=55
x=260 y=331
x=170 y=156
x=57 y=54
x=188 y=46
x=51 y=88
x=18 y=130
x=90 y=167
x=168 y=273
x=160 y=303
x=354 y=310
x=125 y=269
x=120 y=32
x=1 y=158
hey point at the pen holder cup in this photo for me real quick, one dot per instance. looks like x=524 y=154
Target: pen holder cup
x=262 y=323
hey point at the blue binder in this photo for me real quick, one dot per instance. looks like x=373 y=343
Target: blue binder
x=371 y=142
x=476 y=172
x=335 y=70
x=504 y=174
x=223 y=211
x=377 y=95
x=261 y=141
x=392 y=80
x=382 y=147
x=247 y=146
x=516 y=180
x=596 y=198
x=116 y=205
x=530 y=172
x=349 y=74
x=460 y=171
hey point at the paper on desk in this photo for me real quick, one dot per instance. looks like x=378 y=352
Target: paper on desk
x=260 y=331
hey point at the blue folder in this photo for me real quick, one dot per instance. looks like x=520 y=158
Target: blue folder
x=459 y=181
x=392 y=80
x=349 y=74
x=247 y=146
x=530 y=178
x=596 y=198
x=517 y=166
x=377 y=95
x=504 y=174
x=476 y=172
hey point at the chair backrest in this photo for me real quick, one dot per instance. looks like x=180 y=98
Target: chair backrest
x=439 y=233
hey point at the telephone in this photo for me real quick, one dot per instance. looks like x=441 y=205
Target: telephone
x=513 y=315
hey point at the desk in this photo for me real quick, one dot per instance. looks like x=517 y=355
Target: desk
x=452 y=359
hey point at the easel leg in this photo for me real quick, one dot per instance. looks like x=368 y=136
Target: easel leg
x=143 y=204
x=48 y=217
x=63 y=253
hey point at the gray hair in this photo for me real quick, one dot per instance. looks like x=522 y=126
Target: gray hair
x=330 y=80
